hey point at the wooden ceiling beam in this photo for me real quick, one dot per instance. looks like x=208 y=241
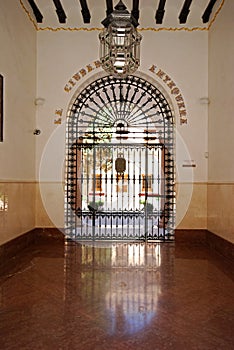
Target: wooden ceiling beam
x=135 y=9
x=185 y=11
x=36 y=11
x=109 y=7
x=208 y=10
x=60 y=11
x=85 y=11
x=160 y=12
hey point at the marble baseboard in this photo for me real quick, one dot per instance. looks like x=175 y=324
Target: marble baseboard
x=182 y=236
x=11 y=248
x=220 y=245
x=215 y=243
x=50 y=232
x=190 y=236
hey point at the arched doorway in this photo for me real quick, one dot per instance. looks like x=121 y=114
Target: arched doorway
x=120 y=162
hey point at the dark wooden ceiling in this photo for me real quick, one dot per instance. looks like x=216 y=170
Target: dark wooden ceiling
x=160 y=10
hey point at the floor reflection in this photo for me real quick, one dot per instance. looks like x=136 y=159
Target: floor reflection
x=122 y=279
x=116 y=296
x=132 y=300
x=117 y=254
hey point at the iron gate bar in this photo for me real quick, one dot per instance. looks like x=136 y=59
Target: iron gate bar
x=93 y=117
x=95 y=214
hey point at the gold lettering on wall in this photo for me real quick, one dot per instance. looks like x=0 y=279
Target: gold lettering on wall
x=83 y=72
x=97 y=64
x=171 y=85
x=67 y=88
x=70 y=85
x=179 y=98
x=72 y=82
x=183 y=120
x=181 y=105
x=58 y=116
x=89 y=68
x=76 y=76
x=160 y=74
x=166 y=78
x=174 y=90
x=59 y=112
x=79 y=75
x=153 y=68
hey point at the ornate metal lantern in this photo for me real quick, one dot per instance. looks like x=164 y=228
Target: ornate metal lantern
x=120 y=43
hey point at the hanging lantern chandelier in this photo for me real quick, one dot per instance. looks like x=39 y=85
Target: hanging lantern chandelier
x=120 y=43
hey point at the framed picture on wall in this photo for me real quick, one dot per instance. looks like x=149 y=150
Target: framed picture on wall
x=1 y=108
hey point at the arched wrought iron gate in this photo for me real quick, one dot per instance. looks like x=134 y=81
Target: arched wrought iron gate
x=120 y=163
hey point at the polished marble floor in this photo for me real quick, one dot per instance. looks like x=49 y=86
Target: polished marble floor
x=59 y=296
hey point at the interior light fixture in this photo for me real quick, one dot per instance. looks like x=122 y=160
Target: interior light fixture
x=120 y=43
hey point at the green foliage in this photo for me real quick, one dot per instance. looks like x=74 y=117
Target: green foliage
x=96 y=205
x=149 y=207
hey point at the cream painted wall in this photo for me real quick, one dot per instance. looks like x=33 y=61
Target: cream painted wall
x=221 y=124
x=62 y=54
x=17 y=152
x=17 y=65
x=181 y=55
x=59 y=55
x=221 y=93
